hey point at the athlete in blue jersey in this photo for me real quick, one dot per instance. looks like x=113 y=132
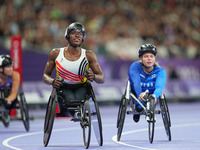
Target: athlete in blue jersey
x=146 y=75
x=9 y=85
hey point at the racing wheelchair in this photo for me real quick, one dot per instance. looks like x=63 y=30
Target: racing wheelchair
x=129 y=99
x=18 y=103
x=81 y=111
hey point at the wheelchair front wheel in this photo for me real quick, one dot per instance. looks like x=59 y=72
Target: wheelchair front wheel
x=151 y=122
x=24 y=111
x=49 y=119
x=121 y=116
x=97 y=124
x=86 y=124
x=119 y=111
x=165 y=117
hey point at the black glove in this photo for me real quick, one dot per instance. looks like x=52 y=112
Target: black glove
x=5 y=103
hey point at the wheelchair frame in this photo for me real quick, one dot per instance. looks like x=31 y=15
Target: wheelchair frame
x=149 y=111
x=84 y=113
x=20 y=103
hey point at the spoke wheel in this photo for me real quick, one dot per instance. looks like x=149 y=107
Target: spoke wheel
x=49 y=119
x=97 y=124
x=151 y=122
x=165 y=117
x=86 y=124
x=24 y=111
x=121 y=116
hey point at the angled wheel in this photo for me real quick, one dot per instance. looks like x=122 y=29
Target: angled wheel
x=151 y=122
x=49 y=117
x=24 y=111
x=97 y=124
x=165 y=117
x=121 y=116
x=86 y=124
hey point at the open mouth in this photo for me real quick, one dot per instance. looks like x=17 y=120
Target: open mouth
x=76 y=40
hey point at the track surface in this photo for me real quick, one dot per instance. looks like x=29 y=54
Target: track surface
x=67 y=135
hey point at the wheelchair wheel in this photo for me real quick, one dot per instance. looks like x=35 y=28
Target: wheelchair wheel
x=86 y=124
x=97 y=124
x=24 y=111
x=119 y=111
x=121 y=116
x=49 y=118
x=151 y=122
x=165 y=117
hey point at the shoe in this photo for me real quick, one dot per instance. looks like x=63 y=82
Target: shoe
x=139 y=109
x=136 y=117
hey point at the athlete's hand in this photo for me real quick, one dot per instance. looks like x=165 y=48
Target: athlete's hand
x=6 y=103
x=144 y=95
x=57 y=82
x=141 y=97
x=153 y=96
x=90 y=75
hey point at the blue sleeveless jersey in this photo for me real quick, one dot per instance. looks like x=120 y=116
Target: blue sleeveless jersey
x=141 y=81
x=7 y=85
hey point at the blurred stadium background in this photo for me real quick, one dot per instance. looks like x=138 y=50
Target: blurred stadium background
x=114 y=31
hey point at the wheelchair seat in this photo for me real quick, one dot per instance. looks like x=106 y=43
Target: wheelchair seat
x=67 y=106
x=76 y=93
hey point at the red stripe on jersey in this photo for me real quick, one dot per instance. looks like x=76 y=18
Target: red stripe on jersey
x=67 y=74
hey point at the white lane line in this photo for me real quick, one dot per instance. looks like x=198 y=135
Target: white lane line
x=5 y=142
x=114 y=138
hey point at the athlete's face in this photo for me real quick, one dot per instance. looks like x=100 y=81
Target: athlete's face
x=8 y=70
x=76 y=37
x=148 y=59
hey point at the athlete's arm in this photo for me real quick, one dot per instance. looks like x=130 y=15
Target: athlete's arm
x=134 y=78
x=50 y=65
x=160 y=83
x=15 y=86
x=97 y=73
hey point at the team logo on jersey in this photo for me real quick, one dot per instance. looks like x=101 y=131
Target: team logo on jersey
x=153 y=75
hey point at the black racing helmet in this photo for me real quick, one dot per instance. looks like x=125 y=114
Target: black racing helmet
x=5 y=61
x=75 y=26
x=147 y=48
